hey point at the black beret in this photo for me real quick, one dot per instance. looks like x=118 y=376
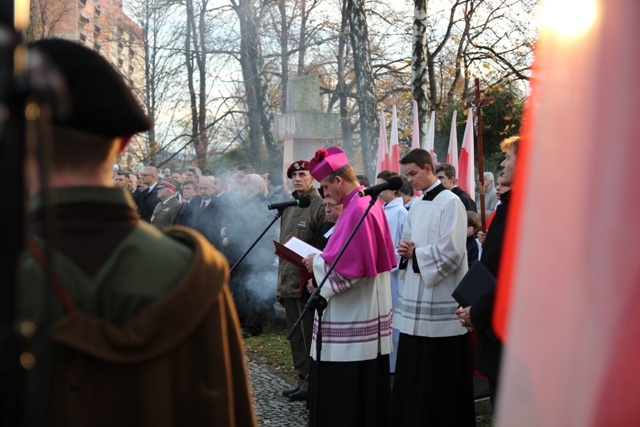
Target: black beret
x=99 y=100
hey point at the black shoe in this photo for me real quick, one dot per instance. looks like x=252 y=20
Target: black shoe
x=246 y=334
x=287 y=393
x=299 y=395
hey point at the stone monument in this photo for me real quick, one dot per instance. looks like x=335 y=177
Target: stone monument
x=304 y=128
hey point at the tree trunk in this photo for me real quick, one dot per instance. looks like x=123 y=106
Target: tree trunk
x=419 y=65
x=304 y=16
x=341 y=87
x=365 y=93
x=201 y=61
x=259 y=119
x=198 y=144
x=284 y=51
x=149 y=52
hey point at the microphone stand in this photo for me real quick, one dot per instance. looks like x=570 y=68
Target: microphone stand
x=320 y=304
x=278 y=215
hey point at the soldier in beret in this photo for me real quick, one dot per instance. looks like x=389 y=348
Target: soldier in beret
x=117 y=342
x=301 y=223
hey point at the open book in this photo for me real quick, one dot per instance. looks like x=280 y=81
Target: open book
x=295 y=250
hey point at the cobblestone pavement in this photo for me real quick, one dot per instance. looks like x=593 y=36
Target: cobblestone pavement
x=274 y=410
x=271 y=408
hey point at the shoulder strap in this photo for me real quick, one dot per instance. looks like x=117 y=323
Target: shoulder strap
x=58 y=287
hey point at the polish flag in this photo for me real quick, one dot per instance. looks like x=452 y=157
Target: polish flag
x=452 y=152
x=382 y=160
x=573 y=323
x=466 y=163
x=429 y=142
x=394 y=150
x=415 y=140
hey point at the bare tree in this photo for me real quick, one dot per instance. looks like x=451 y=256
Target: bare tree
x=47 y=18
x=419 y=61
x=257 y=45
x=195 y=52
x=160 y=63
x=250 y=61
x=364 y=81
x=284 y=51
x=346 y=124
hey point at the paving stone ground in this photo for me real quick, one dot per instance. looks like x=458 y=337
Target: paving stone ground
x=271 y=408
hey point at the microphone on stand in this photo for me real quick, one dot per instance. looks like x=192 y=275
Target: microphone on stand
x=302 y=202
x=393 y=183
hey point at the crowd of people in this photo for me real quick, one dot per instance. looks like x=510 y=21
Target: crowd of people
x=231 y=211
x=164 y=275
x=420 y=349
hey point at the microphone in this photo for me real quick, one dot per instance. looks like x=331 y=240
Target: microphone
x=393 y=183
x=302 y=202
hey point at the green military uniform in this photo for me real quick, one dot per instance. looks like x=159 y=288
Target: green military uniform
x=301 y=223
x=166 y=212
x=152 y=326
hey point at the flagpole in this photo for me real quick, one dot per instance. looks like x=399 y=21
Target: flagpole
x=477 y=104
x=480 y=157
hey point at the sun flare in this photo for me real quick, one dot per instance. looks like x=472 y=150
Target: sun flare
x=568 y=18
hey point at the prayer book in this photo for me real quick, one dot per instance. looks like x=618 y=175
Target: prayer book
x=295 y=250
x=477 y=282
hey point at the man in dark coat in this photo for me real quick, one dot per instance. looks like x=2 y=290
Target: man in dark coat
x=446 y=173
x=206 y=217
x=190 y=203
x=488 y=349
x=149 y=198
x=277 y=192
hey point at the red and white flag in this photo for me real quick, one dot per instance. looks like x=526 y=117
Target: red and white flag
x=573 y=324
x=394 y=149
x=415 y=140
x=430 y=140
x=466 y=162
x=452 y=152
x=382 y=159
